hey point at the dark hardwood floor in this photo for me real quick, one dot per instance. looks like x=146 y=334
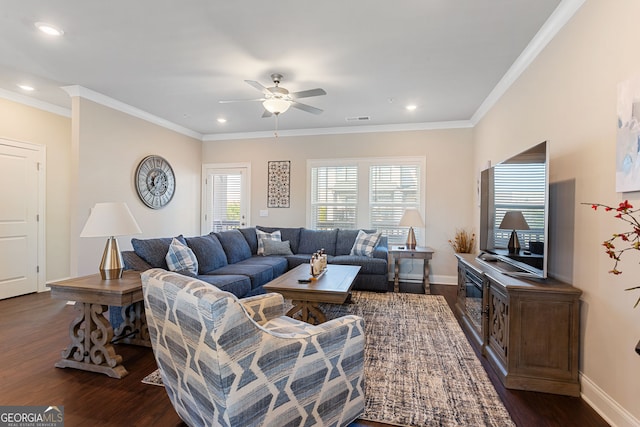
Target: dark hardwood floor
x=34 y=329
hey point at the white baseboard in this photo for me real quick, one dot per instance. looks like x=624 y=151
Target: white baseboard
x=604 y=405
x=434 y=279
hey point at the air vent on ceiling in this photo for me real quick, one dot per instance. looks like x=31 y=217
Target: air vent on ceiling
x=358 y=119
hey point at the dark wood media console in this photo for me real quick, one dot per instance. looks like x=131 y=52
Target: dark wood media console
x=527 y=328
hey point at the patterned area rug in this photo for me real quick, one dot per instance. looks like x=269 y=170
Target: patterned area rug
x=419 y=368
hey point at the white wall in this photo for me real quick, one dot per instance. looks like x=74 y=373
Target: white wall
x=27 y=124
x=568 y=96
x=448 y=153
x=107 y=147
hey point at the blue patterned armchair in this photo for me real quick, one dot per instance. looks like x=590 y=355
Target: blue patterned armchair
x=236 y=362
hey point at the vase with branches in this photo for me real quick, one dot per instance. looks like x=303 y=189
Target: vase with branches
x=620 y=243
x=464 y=241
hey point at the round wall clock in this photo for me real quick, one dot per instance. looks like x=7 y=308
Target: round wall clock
x=155 y=182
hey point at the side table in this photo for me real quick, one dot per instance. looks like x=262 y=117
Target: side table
x=90 y=332
x=423 y=253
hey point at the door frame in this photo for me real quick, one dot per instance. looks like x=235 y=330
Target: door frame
x=41 y=154
x=220 y=166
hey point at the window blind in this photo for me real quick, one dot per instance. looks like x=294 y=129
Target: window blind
x=392 y=189
x=334 y=197
x=226 y=197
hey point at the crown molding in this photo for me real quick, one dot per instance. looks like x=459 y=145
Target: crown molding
x=563 y=13
x=114 y=104
x=35 y=103
x=459 y=124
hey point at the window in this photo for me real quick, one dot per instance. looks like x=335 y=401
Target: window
x=392 y=188
x=225 y=198
x=366 y=193
x=334 y=196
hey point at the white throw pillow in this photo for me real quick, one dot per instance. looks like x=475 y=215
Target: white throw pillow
x=181 y=257
x=365 y=244
x=263 y=235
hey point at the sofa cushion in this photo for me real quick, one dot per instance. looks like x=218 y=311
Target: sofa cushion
x=313 y=240
x=278 y=264
x=365 y=244
x=291 y=234
x=346 y=239
x=367 y=265
x=154 y=251
x=208 y=251
x=235 y=245
x=276 y=247
x=263 y=235
x=181 y=257
x=258 y=274
x=251 y=238
x=238 y=285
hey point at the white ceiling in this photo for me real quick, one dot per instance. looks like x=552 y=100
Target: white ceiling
x=176 y=60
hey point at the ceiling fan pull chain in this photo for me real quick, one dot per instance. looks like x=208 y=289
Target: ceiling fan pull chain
x=276 y=131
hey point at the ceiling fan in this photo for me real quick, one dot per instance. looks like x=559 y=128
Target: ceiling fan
x=277 y=100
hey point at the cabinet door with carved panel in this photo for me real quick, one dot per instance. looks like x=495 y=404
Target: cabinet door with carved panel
x=498 y=322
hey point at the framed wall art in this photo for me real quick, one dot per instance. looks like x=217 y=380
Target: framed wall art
x=278 y=186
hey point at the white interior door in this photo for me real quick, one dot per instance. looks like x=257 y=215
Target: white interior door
x=19 y=196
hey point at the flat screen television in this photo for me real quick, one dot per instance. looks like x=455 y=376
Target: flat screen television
x=520 y=184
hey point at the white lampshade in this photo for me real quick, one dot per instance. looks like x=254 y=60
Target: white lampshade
x=514 y=220
x=411 y=218
x=276 y=105
x=110 y=219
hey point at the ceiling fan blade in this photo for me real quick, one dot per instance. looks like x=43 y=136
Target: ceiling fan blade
x=307 y=93
x=227 y=101
x=259 y=86
x=305 y=107
x=266 y=114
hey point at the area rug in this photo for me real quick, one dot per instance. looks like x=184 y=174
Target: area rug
x=420 y=369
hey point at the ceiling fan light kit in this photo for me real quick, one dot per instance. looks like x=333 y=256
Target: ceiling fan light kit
x=276 y=105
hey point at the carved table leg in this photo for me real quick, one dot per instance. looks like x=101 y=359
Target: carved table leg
x=396 y=271
x=309 y=312
x=135 y=323
x=425 y=277
x=90 y=347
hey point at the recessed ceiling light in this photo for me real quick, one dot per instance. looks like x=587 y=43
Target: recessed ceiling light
x=411 y=107
x=49 y=29
x=222 y=120
x=27 y=88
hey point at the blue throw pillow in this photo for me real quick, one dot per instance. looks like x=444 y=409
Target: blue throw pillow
x=208 y=251
x=180 y=257
x=365 y=244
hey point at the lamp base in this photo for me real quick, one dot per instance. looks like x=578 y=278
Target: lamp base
x=111 y=266
x=411 y=239
x=514 y=243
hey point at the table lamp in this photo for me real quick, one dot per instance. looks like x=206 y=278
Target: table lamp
x=411 y=218
x=110 y=220
x=514 y=220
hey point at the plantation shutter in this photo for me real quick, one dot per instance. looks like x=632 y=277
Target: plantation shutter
x=392 y=189
x=334 y=197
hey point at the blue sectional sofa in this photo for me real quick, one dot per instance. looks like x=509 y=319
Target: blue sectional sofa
x=230 y=261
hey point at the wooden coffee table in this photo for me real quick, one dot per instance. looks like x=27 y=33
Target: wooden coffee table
x=90 y=331
x=334 y=286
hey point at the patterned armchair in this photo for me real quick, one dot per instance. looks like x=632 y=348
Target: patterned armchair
x=235 y=362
